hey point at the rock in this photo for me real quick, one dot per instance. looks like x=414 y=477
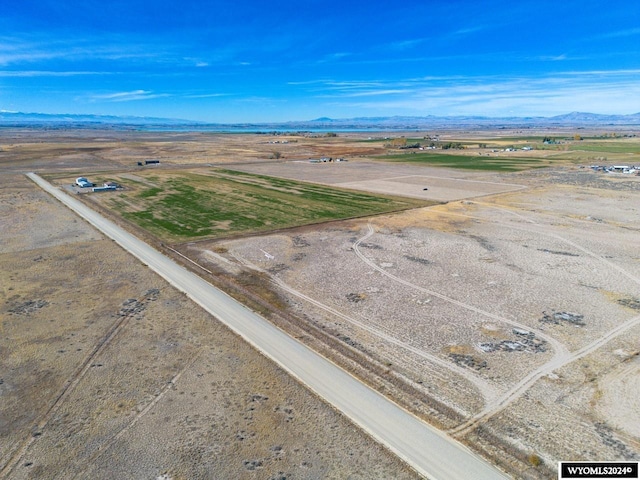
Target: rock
x=556 y=318
x=27 y=307
x=252 y=464
x=356 y=297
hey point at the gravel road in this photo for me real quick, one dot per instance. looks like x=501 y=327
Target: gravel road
x=427 y=450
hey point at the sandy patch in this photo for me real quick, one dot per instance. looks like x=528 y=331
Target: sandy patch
x=618 y=397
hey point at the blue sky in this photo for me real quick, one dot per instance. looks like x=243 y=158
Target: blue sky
x=245 y=61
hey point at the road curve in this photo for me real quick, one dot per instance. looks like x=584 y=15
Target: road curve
x=429 y=451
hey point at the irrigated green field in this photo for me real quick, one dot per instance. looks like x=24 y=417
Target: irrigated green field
x=180 y=206
x=467 y=162
x=479 y=154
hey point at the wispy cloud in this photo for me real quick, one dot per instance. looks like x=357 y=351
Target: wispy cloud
x=405 y=44
x=620 y=33
x=601 y=92
x=602 y=73
x=333 y=57
x=30 y=49
x=552 y=58
x=207 y=95
x=128 y=96
x=468 y=30
x=377 y=93
x=47 y=73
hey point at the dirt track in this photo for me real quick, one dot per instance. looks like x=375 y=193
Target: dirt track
x=402 y=290
x=140 y=382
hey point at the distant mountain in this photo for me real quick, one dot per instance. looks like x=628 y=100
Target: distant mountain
x=29 y=118
x=570 y=119
x=584 y=117
x=323 y=123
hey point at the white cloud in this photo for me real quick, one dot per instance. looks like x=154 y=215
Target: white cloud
x=608 y=92
x=207 y=95
x=29 y=49
x=46 y=73
x=405 y=44
x=374 y=93
x=128 y=96
x=332 y=57
x=620 y=33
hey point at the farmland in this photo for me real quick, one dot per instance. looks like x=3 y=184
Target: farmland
x=178 y=206
x=505 y=154
x=467 y=162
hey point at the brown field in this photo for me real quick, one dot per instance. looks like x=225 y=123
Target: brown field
x=509 y=317
x=461 y=283
x=442 y=184
x=108 y=372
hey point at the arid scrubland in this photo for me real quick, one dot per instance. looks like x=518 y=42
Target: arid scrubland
x=108 y=372
x=508 y=317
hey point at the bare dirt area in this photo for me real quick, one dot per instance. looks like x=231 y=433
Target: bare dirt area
x=94 y=150
x=519 y=312
x=428 y=183
x=110 y=373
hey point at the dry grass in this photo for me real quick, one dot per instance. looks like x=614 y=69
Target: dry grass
x=109 y=372
x=507 y=258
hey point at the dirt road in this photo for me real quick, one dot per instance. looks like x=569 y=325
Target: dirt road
x=427 y=450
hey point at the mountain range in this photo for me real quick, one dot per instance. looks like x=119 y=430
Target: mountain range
x=31 y=118
x=359 y=123
x=569 y=119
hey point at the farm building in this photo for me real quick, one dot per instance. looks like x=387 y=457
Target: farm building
x=104 y=188
x=83 y=182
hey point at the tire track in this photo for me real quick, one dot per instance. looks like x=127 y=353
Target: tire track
x=170 y=384
x=521 y=387
x=487 y=390
x=67 y=389
x=562 y=357
x=600 y=258
x=559 y=348
x=514 y=393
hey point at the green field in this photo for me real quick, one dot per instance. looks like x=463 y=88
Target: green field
x=606 y=147
x=468 y=162
x=184 y=206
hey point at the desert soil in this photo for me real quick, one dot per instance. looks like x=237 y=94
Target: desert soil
x=468 y=299
x=107 y=372
x=515 y=307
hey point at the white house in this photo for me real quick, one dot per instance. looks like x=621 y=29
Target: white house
x=83 y=182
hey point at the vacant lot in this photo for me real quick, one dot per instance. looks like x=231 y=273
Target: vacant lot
x=420 y=182
x=110 y=373
x=477 y=302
